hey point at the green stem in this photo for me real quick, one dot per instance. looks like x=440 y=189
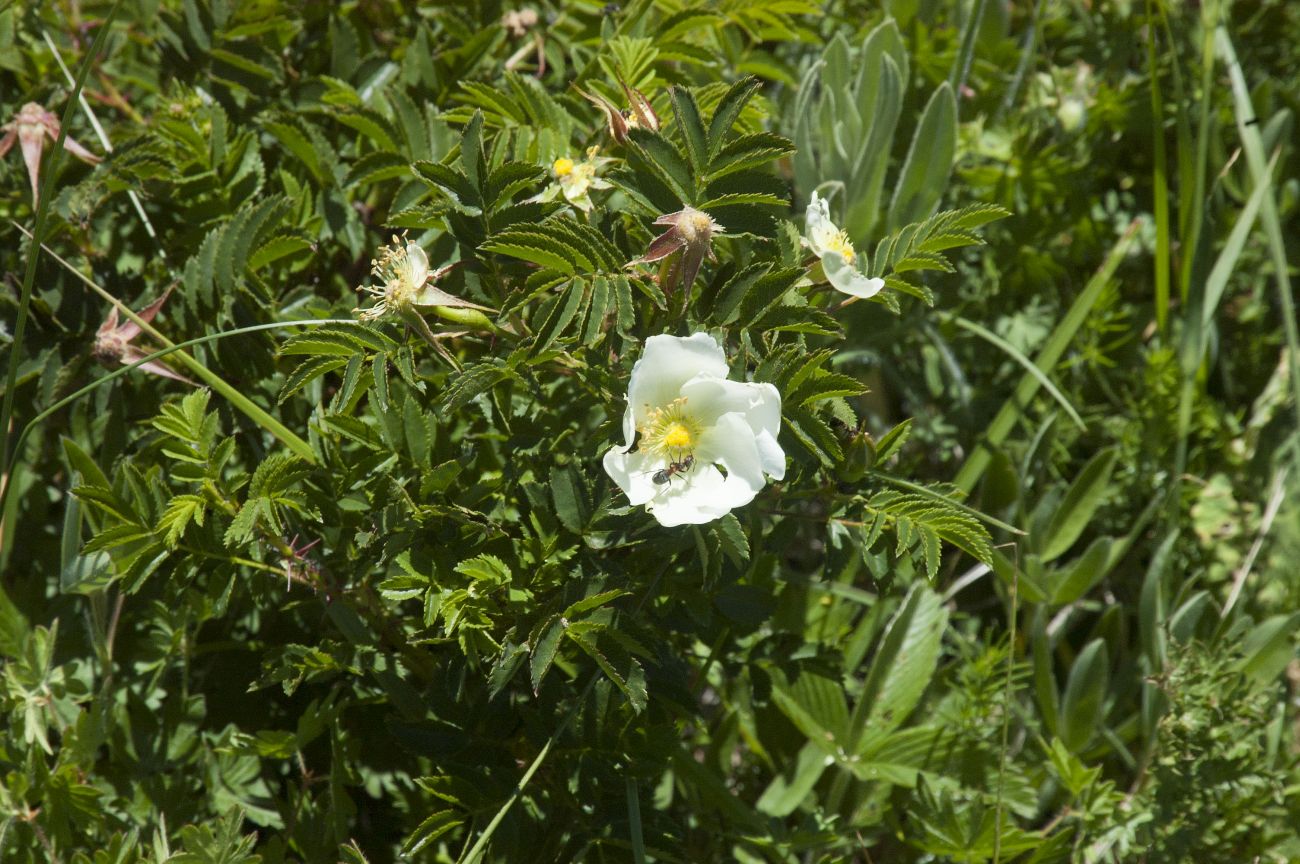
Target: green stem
x=42 y=208
x=299 y=447
x=118 y=373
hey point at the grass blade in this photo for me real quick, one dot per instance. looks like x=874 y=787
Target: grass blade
x=1055 y=346
x=291 y=440
x=148 y=358
x=634 y=822
x=1015 y=354
x=38 y=232
x=1260 y=169
x=1161 y=179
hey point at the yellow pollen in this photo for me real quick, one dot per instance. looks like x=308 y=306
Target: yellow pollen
x=677 y=436
x=669 y=432
x=562 y=166
x=839 y=242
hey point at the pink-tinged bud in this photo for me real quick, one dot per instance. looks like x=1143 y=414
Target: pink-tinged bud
x=690 y=233
x=30 y=127
x=113 y=342
x=638 y=115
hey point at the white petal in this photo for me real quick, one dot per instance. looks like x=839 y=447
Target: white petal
x=417 y=264
x=845 y=277
x=759 y=405
x=706 y=493
x=692 y=500
x=634 y=474
x=817 y=224
x=667 y=363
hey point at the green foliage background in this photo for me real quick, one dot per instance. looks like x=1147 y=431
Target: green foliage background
x=1027 y=592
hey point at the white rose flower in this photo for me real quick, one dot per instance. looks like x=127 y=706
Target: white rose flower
x=833 y=247
x=703 y=443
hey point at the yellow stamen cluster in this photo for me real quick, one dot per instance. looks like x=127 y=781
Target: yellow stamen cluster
x=669 y=431
x=563 y=166
x=398 y=289
x=839 y=242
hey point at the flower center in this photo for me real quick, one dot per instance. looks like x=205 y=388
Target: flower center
x=395 y=269
x=839 y=242
x=563 y=166
x=696 y=227
x=677 y=436
x=669 y=431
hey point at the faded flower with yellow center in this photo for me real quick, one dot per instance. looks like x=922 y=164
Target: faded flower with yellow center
x=696 y=444
x=840 y=261
x=575 y=180
x=406 y=288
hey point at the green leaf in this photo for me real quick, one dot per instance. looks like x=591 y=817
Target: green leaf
x=667 y=163
x=544 y=643
x=1083 y=702
x=792 y=787
x=1080 y=503
x=893 y=440
x=816 y=705
x=534 y=247
x=180 y=512
x=1078 y=578
x=306 y=372
x=929 y=160
x=376 y=167
x=631 y=681
x=431 y=828
x=563 y=309
x=691 y=127
x=455 y=185
x=728 y=111
x=1269 y=647
x=903 y=665
x=748 y=151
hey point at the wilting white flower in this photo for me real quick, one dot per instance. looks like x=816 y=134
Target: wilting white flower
x=832 y=246
x=407 y=287
x=576 y=179
x=703 y=443
x=113 y=341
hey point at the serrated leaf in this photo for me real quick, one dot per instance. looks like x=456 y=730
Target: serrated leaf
x=691 y=127
x=904 y=663
x=632 y=684
x=431 y=828
x=544 y=643
x=728 y=111
x=663 y=158
x=306 y=372
x=749 y=151
x=180 y=512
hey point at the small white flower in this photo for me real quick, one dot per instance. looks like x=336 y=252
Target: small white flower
x=408 y=287
x=832 y=246
x=576 y=179
x=703 y=443
x=403 y=270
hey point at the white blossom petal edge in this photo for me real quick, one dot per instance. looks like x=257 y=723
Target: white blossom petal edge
x=833 y=247
x=705 y=442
